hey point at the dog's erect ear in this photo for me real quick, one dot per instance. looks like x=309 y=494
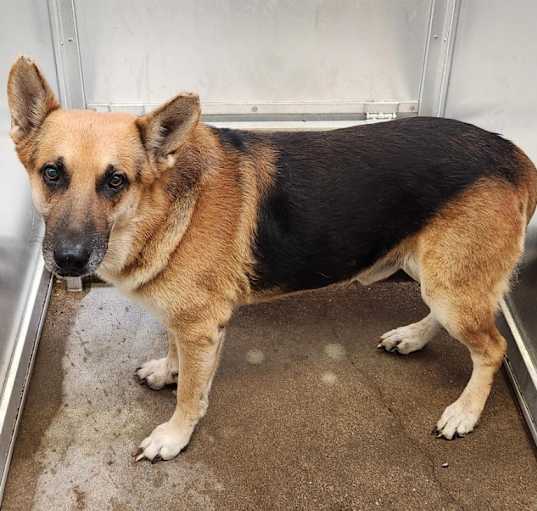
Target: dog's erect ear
x=30 y=98
x=164 y=130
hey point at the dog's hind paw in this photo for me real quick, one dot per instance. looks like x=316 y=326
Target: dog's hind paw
x=458 y=419
x=157 y=373
x=414 y=337
x=402 y=340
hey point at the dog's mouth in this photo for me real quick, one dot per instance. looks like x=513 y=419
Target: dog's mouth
x=59 y=272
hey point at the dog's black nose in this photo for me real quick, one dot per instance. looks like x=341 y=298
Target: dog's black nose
x=71 y=258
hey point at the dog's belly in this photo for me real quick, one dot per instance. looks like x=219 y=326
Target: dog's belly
x=319 y=269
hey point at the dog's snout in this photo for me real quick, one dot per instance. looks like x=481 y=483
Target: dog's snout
x=71 y=257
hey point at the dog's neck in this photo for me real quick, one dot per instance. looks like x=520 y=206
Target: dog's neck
x=140 y=249
x=138 y=252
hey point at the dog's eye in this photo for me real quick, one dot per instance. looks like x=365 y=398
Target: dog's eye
x=116 y=181
x=51 y=174
x=112 y=182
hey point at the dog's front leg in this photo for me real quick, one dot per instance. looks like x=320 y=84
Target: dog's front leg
x=159 y=372
x=198 y=347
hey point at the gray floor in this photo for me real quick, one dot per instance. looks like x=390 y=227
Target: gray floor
x=305 y=413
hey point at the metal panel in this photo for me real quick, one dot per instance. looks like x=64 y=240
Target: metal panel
x=66 y=48
x=521 y=368
x=27 y=24
x=256 y=57
x=492 y=84
x=438 y=57
x=23 y=281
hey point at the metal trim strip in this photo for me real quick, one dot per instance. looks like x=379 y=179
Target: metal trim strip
x=520 y=369
x=517 y=337
x=17 y=379
x=267 y=110
x=444 y=17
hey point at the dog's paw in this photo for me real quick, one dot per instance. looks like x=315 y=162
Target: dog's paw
x=165 y=442
x=458 y=419
x=404 y=340
x=157 y=373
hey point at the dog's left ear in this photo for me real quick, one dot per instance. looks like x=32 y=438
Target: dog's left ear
x=164 y=130
x=30 y=98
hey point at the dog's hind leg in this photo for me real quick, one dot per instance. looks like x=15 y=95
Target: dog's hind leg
x=409 y=338
x=487 y=349
x=466 y=256
x=160 y=372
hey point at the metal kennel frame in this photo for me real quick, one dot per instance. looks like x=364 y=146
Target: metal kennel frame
x=283 y=64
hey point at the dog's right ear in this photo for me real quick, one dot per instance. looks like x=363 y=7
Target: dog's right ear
x=30 y=98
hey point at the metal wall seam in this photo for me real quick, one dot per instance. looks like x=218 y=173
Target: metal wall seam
x=444 y=16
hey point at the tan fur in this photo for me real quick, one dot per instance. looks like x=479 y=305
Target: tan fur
x=464 y=259
x=472 y=246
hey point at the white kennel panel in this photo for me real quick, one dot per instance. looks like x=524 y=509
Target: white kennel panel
x=24 y=284
x=494 y=69
x=261 y=57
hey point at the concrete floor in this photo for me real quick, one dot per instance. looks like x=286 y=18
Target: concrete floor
x=305 y=413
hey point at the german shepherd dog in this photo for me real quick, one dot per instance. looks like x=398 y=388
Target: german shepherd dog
x=194 y=221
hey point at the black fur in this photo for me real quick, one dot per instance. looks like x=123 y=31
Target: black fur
x=342 y=199
x=236 y=139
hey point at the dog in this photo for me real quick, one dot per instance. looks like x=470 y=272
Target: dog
x=193 y=221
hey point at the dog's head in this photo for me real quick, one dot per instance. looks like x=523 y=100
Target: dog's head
x=88 y=170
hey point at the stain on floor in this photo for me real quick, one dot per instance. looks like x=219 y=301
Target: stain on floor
x=304 y=413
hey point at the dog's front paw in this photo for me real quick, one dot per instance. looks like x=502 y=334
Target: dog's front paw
x=165 y=442
x=157 y=373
